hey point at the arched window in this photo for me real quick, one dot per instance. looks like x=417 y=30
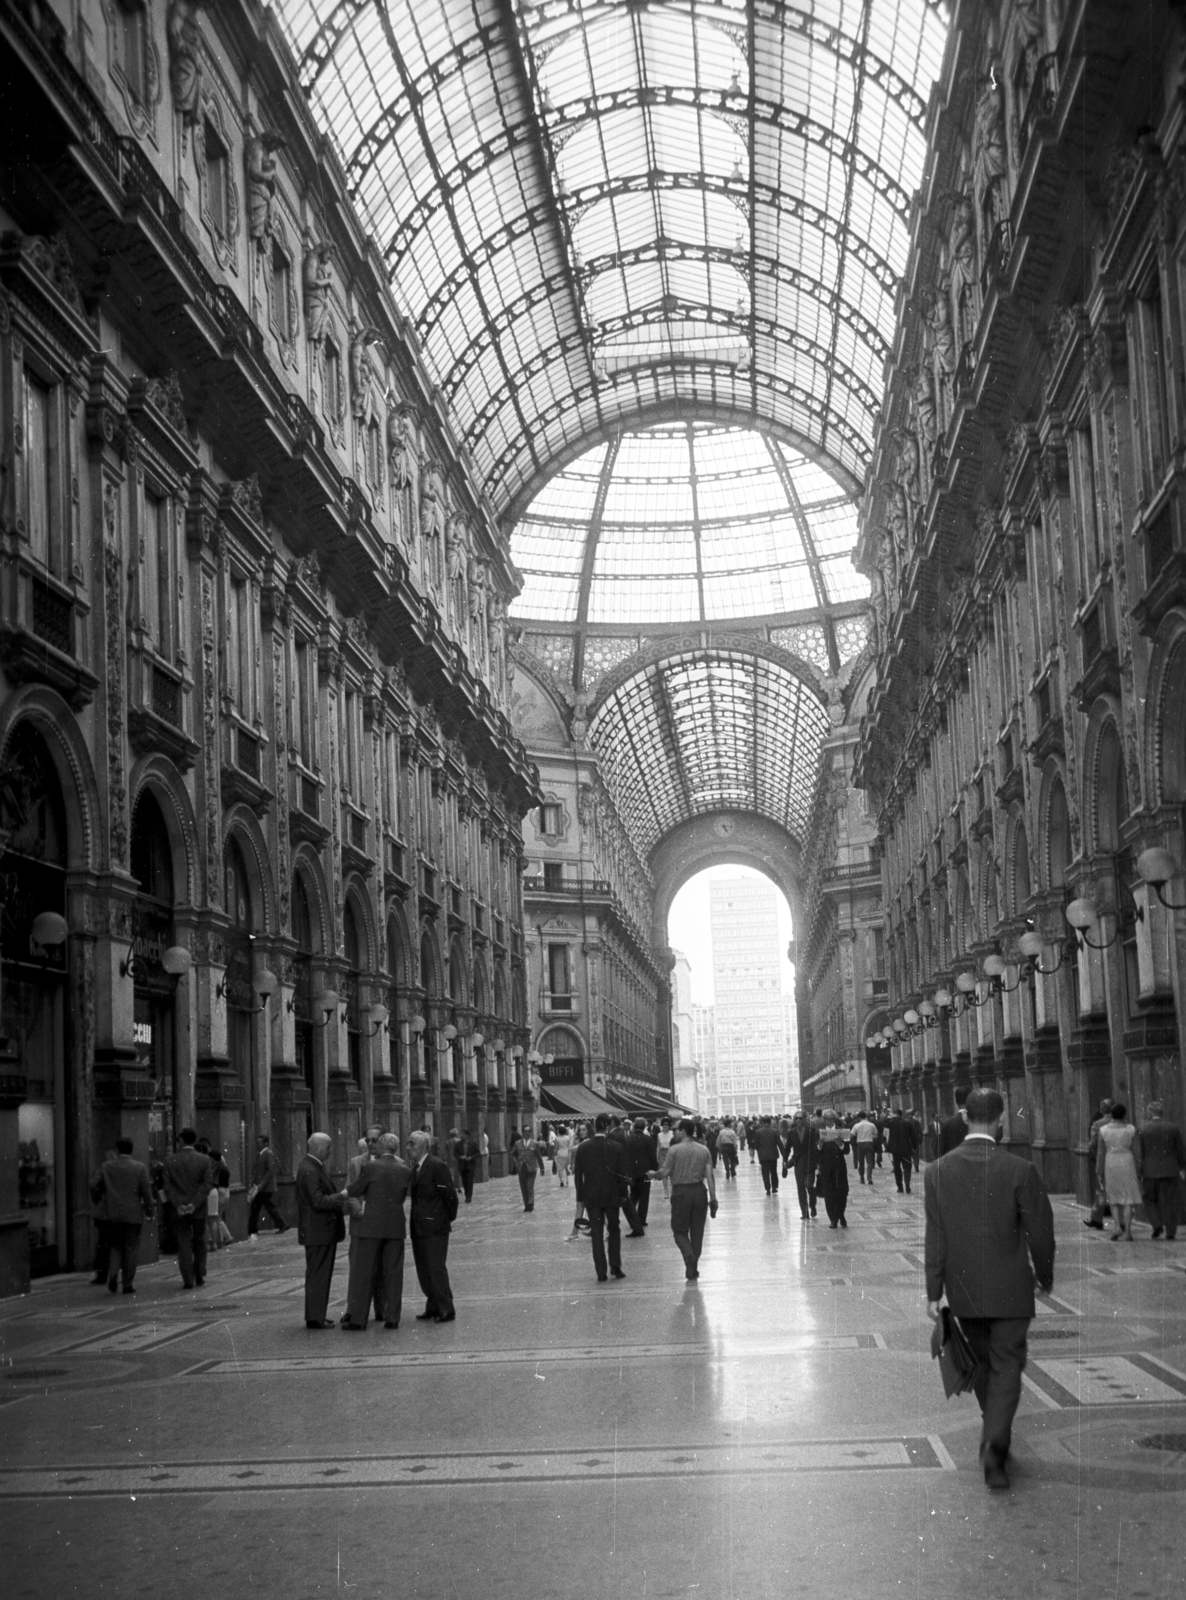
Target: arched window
x=568 y=1063
x=1058 y=836
x=1019 y=874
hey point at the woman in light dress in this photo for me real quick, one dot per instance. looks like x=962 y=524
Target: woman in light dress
x=1121 y=1147
x=561 y=1151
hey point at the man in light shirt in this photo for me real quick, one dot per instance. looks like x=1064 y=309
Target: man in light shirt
x=864 y=1144
x=687 y=1167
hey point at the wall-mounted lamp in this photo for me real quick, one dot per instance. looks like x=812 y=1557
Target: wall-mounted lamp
x=1156 y=867
x=450 y=1032
x=517 y=1053
x=995 y=969
x=417 y=1024
x=548 y=1060
x=175 y=961
x=378 y=1014
x=264 y=983
x=325 y=1001
x=1081 y=914
x=50 y=930
x=499 y=1046
x=534 y=1058
x=477 y=1040
x=1032 y=944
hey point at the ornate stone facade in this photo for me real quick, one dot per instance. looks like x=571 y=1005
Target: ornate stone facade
x=265 y=744
x=1023 y=744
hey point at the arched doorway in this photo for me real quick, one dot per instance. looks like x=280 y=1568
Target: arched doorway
x=568 y=1058
x=33 y=1013
x=154 y=991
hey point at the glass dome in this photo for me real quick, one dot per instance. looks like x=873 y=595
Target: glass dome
x=686 y=522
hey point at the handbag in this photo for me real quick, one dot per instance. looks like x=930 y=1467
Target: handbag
x=958 y=1366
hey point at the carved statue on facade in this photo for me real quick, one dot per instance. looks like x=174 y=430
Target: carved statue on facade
x=185 y=59
x=401 y=448
x=924 y=403
x=477 y=589
x=961 y=240
x=318 y=281
x=262 y=167
x=496 y=630
x=989 y=161
x=897 y=516
x=456 y=550
x=362 y=371
x=878 y=610
x=942 y=333
x=908 y=470
x=887 y=563
x=432 y=505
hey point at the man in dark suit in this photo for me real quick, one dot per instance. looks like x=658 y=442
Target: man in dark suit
x=983 y=1208
x=765 y=1141
x=434 y=1208
x=262 y=1195
x=467 y=1153
x=901 y=1140
x=320 y=1227
x=124 y=1195
x=1163 y=1155
x=189 y=1178
x=954 y=1130
x=800 y=1151
x=643 y=1151
x=377 y=1259
x=601 y=1176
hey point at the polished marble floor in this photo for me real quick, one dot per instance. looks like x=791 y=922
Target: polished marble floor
x=776 y=1429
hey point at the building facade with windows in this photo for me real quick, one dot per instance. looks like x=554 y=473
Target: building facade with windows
x=597 y=979
x=1023 y=747
x=754 y=1054
x=259 y=791
x=685 y=1066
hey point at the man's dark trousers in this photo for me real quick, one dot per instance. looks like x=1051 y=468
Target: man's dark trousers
x=124 y=1240
x=689 y=1213
x=191 y=1247
x=376 y=1270
x=769 y=1176
x=1163 y=1202
x=319 y=1272
x=640 y=1198
x=431 y=1257
x=998 y=1343
x=903 y=1166
x=466 y=1169
x=603 y=1219
x=807 y=1197
x=264 y=1202
x=866 y=1160
x=527 y=1185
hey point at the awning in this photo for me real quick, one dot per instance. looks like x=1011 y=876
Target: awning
x=647 y=1105
x=572 y=1100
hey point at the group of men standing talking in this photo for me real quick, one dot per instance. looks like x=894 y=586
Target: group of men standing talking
x=373 y=1198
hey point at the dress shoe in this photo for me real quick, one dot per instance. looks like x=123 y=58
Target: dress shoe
x=391 y=1324
x=637 y=1233
x=129 y=1288
x=1157 y=1232
x=351 y=1327
x=449 y=1316
x=993 y=1462
x=603 y=1277
x=99 y=1278
x=617 y=1273
x=199 y=1281
x=328 y=1323
x=692 y=1273
x=844 y=1222
x=1088 y=1223
x=833 y=1224
x=347 y=1321
x=426 y=1316
x=112 y=1285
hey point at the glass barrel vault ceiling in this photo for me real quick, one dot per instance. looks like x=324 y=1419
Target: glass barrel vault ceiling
x=596 y=210
x=686 y=522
